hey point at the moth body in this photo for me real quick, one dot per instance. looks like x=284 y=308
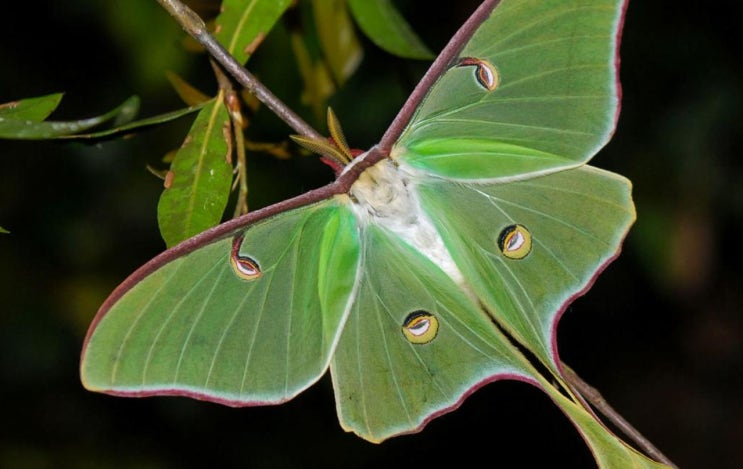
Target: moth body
x=385 y=195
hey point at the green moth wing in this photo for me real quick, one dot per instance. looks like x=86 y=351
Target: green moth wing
x=251 y=317
x=534 y=90
x=528 y=247
x=388 y=381
x=500 y=143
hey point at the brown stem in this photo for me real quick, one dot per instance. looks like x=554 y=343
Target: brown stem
x=195 y=26
x=232 y=103
x=593 y=396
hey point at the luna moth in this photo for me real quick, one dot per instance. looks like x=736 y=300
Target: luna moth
x=466 y=230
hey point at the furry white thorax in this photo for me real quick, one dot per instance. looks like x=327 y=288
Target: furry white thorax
x=385 y=195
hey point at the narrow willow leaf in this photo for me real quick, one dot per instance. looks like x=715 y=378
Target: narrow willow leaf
x=200 y=177
x=188 y=93
x=338 y=39
x=137 y=125
x=386 y=27
x=242 y=22
x=24 y=129
x=127 y=112
x=32 y=109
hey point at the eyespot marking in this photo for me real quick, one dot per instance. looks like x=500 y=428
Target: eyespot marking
x=420 y=327
x=485 y=73
x=515 y=241
x=244 y=267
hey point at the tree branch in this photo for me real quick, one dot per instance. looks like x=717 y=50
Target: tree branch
x=195 y=26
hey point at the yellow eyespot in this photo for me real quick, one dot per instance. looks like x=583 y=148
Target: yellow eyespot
x=515 y=242
x=244 y=267
x=420 y=327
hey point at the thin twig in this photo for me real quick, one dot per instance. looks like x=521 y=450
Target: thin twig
x=195 y=26
x=593 y=396
x=232 y=103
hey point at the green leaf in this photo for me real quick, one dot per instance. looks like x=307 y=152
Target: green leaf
x=200 y=177
x=384 y=25
x=32 y=109
x=188 y=93
x=242 y=22
x=138 y=125
x=3 y=230
x=26 y=129
x=338 y=40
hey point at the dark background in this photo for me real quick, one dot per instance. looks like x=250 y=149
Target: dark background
x=660 y=334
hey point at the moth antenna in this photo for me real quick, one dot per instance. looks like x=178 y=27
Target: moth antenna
x=322 y=148
x=336 y=132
